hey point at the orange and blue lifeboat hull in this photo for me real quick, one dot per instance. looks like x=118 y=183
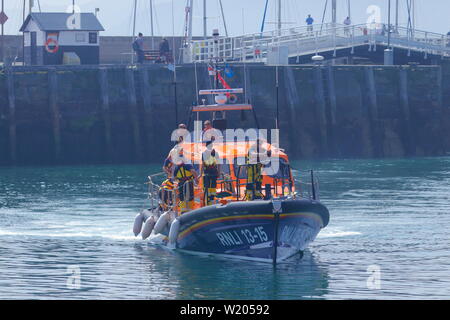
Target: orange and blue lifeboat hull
x=256 y=230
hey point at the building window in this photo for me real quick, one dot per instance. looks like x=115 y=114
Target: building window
x=80 y=37
x=93 y=37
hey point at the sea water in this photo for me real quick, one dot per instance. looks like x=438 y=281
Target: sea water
x=66 y=233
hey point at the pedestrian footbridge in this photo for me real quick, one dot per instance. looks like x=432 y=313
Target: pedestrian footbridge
x=330 y=40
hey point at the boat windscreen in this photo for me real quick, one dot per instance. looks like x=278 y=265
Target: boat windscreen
x=282 y=173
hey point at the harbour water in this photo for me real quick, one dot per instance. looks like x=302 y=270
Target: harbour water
x=391 y=216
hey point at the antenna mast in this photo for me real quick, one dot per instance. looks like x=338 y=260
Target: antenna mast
x=396 y=15
x=152 y=31
x=223 y=18
x=134 y=18
x=134 y=28
x=349 y=8
x=280 y=25
x=205 y=21
x=264 y=16
x=334 y=12
x=188 y=22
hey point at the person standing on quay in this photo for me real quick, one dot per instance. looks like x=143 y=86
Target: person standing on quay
x=138 y=47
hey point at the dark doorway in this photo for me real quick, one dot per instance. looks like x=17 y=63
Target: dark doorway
x=33 y=49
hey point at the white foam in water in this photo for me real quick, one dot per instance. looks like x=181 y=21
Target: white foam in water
x=337 y=233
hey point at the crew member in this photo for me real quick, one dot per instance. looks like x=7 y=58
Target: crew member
x=207 y=126
x=254 y=172
x=165 y=194
x=210 y=170
x=181 y=133
x=185 y=175
x=168 y=164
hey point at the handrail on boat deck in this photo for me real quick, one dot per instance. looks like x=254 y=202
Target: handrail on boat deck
x=236 y=184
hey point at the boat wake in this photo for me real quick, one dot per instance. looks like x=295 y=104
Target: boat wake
x=71 y=235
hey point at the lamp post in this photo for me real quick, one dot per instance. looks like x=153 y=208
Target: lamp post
x=205 y=21
x=389 y=24
x=279 y=18
x=396 y=14
x=389 y=53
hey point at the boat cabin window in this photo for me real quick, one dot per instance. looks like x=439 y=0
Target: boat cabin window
x=225 y=168
x=239 y=171
x=284 y=171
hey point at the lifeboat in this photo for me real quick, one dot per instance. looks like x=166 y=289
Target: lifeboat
x=269 y=223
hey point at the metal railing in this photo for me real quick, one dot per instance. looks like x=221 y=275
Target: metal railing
x=154 y=191
x=282 y=188
x=326 y=37
x=171 y=196
x=308 y=186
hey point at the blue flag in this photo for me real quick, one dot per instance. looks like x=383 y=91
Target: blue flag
x=229 y=73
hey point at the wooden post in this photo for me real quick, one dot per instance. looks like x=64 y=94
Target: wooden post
x=147 y=103
x=439 y=86
x=406 y=112
x=404 y=100
x=293 y=104
x=12 y=116
x=145 y=86
x=104 y=91
x=321 y=107
x=332 y=95
x=132 y=103
x=372 y=93
x=54 y=109
x=370 y=87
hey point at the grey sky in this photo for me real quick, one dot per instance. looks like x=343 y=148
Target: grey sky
x=241 y=15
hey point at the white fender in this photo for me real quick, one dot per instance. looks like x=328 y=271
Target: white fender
x=138 y=221
x=148 y=228
x=161 y=223
x=173 y=234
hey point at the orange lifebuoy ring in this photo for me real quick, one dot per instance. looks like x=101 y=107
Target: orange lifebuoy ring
x=49 y=42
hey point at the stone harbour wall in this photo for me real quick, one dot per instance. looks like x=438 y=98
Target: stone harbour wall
x=123 y=114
